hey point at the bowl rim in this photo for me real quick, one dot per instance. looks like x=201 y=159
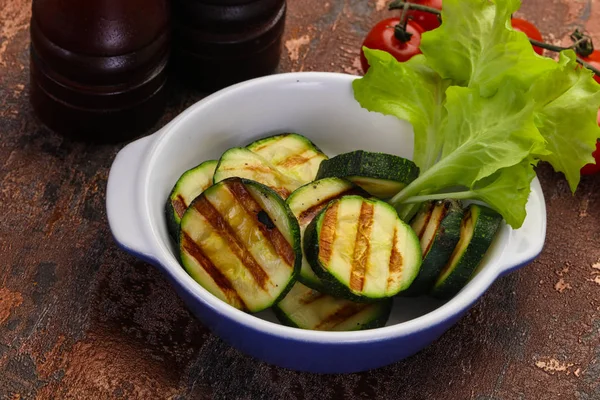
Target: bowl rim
x=164 y=259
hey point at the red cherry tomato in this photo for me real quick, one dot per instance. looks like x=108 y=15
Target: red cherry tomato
x=427 y=21
x=594 y=59
x=593 y=168
x=530 y=30
x=381 y=37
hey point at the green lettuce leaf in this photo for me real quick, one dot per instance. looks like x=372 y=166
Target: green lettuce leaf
x=507 y=191
x=482 y=136
x=410 y=91
x=567 y=102
x=476 y=47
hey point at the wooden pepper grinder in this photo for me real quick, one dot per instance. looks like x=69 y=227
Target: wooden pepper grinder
x=220 y=42
x=98 y=67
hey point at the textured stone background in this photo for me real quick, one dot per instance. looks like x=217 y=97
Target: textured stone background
x=80 y=319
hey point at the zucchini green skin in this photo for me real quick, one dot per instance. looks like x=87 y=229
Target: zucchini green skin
x=306 y=308
x=446 y=238
x=275 y=207
x=332 y=284
x=468 y=255
x=312 y=198
x=393 y=172
x=191 y=184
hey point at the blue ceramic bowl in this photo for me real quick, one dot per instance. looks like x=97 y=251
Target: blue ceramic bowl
x=320 y=106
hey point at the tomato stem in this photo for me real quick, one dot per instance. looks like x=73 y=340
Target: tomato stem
x=582 y=44
x=552 y=47
x=404 y=15
x=400 y=32
x=588 y=66
x=398 y=5
x=547 y=46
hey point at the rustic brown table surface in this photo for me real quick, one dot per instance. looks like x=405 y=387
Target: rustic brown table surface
x=80 y=319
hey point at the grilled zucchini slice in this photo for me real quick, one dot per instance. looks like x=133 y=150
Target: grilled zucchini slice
x=438 y=227
x=306 y=202
x=283 y=162
x=361 y=249
x=382 y=175
x=291 y=154
x=477 y=231
x=241 y=162
x=306 y=308
x=187 y=188
x=241 y=242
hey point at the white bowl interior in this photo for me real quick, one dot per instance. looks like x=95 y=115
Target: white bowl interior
x=317 y=105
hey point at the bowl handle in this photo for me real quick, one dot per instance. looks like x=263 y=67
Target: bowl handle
x=527 y=242
x=123 y=202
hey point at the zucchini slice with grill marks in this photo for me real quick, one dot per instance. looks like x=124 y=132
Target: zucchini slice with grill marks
x=241 y=242
x=291 y=154
x=438 y=227
x=241 y=162
x=382 y=175
x=361 y=249
x=307 y=201
x=477 y=231
x=188 y=187
x=306 y=308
